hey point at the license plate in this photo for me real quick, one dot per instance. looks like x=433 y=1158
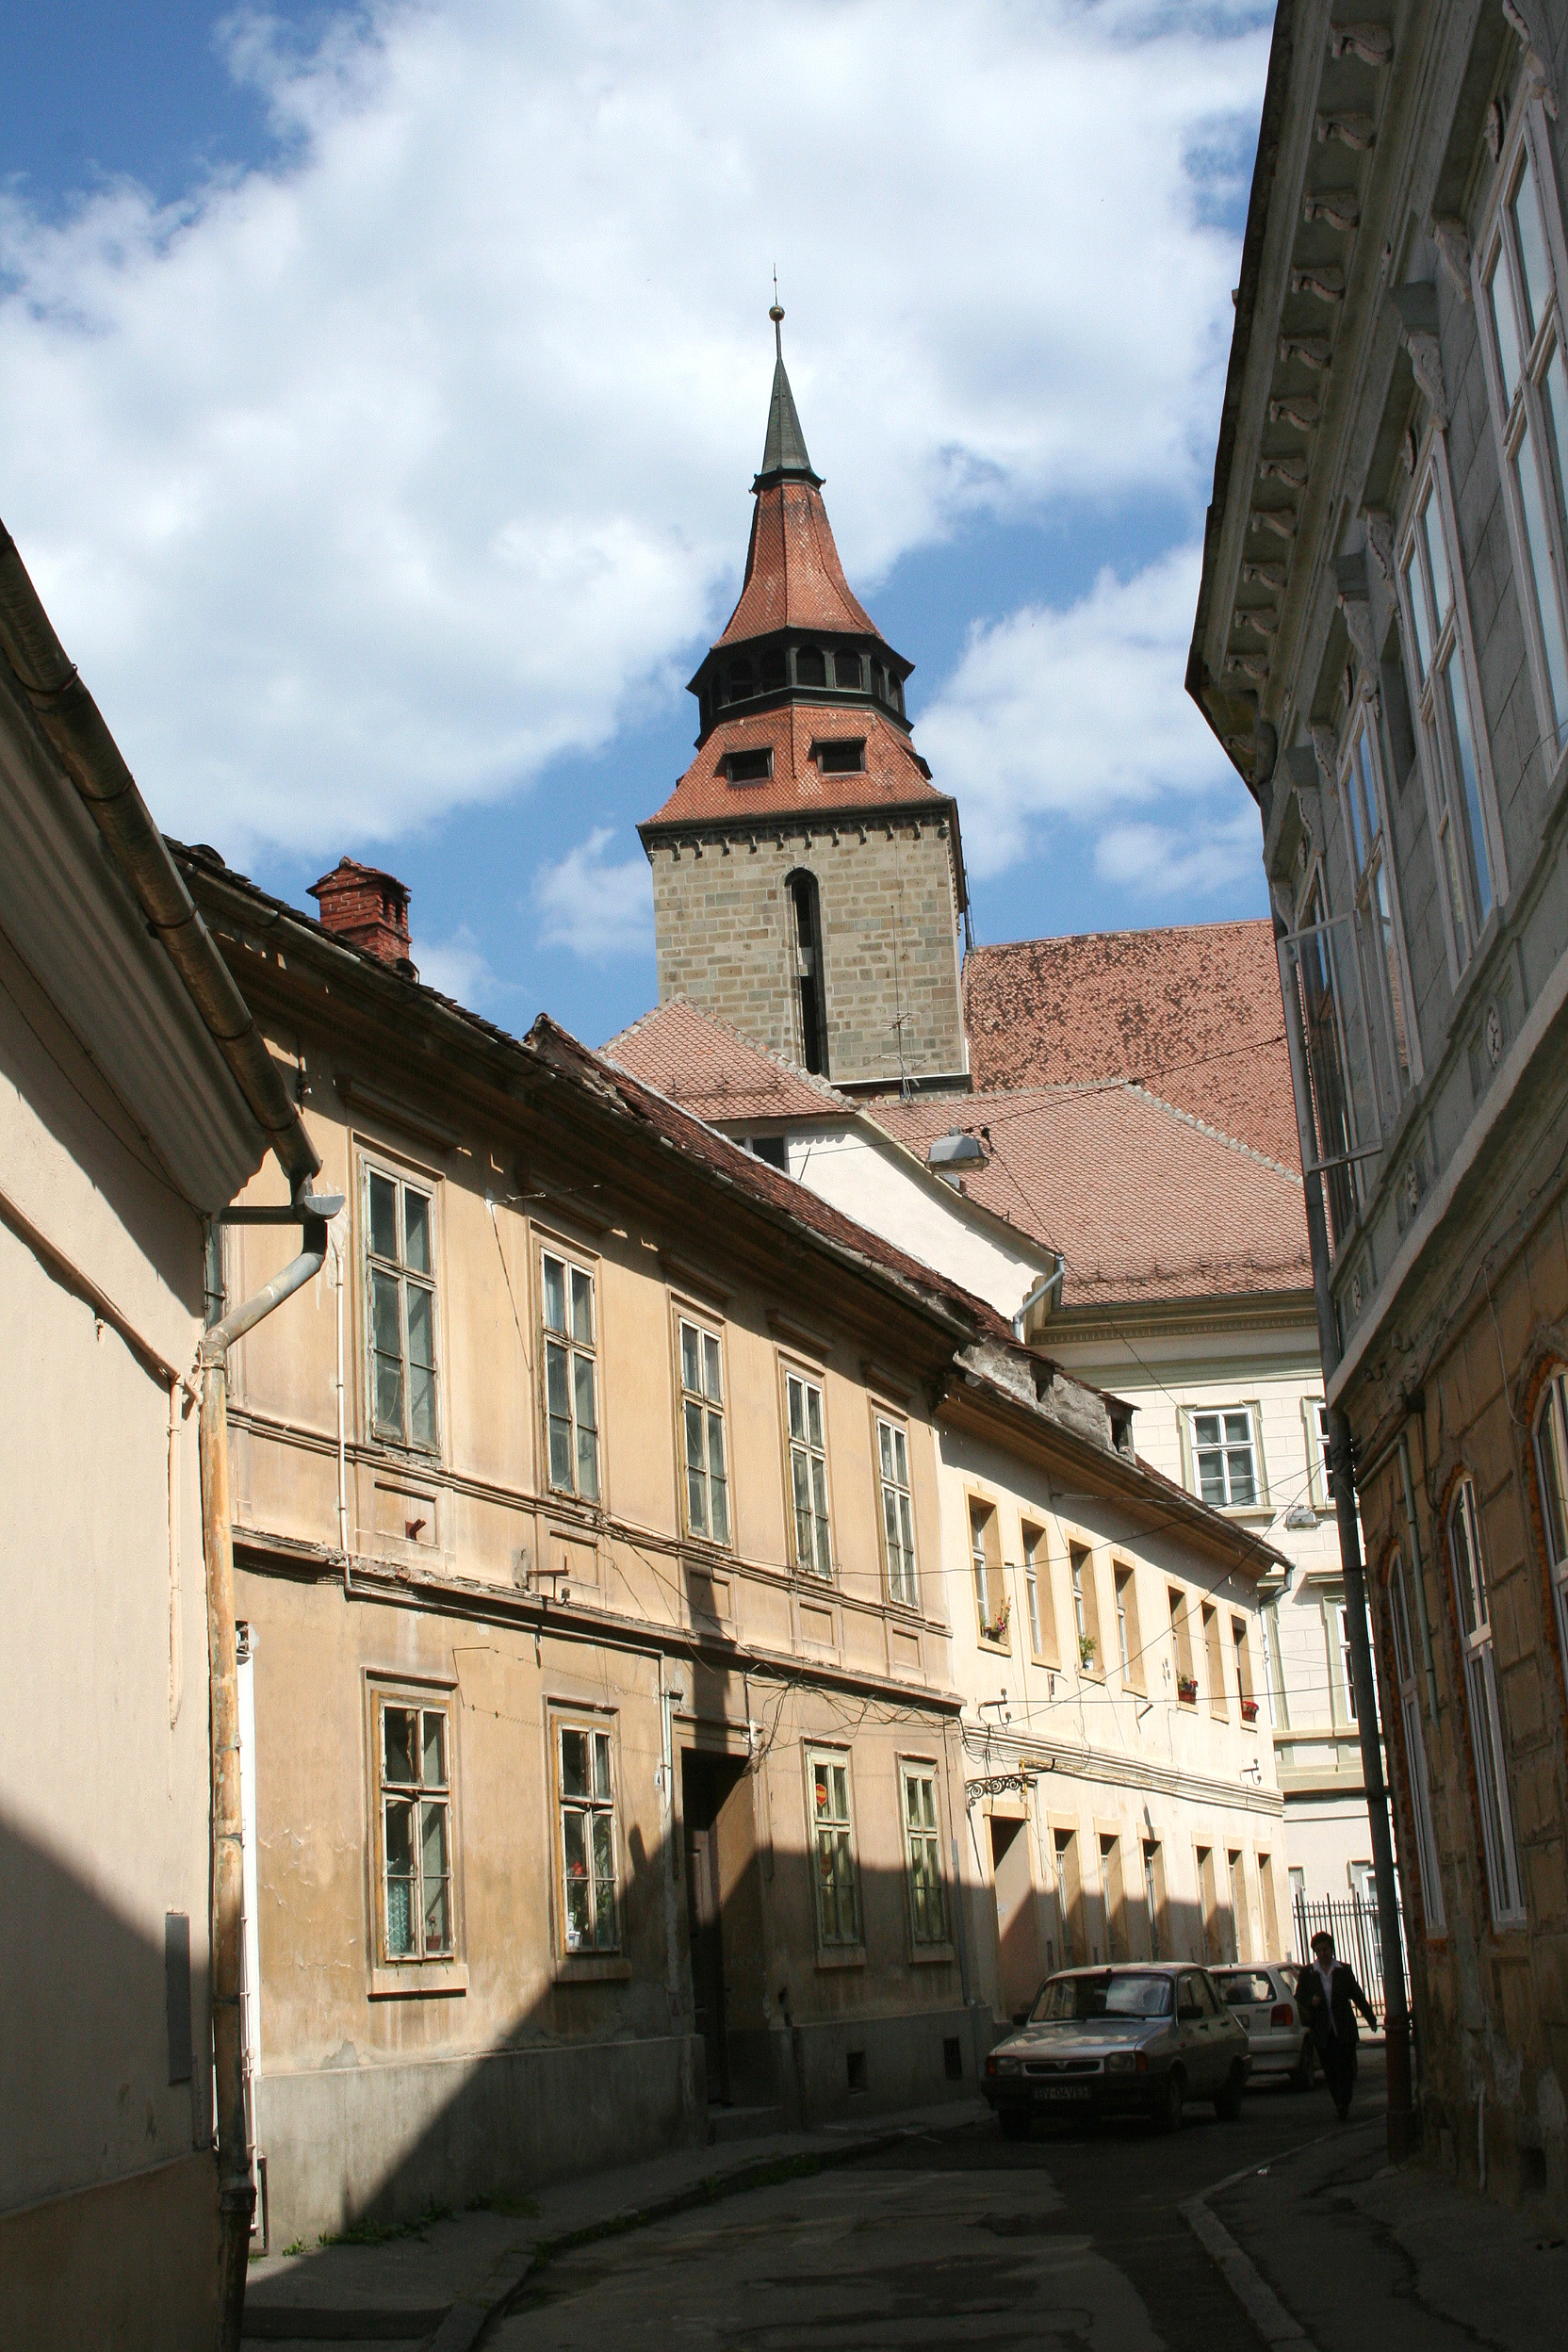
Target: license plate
x=1063 y=2090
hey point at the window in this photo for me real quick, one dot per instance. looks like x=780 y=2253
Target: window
x=1317 y=980
x=1482 y=1704
x=415 y=1802
x=1270 y=1915
x=1213 y=1660
x=571 y=1378
x=837 y=1914
x=586 y=1796
x=740 y=681
x=923 y=1854
x=772 y=668
x=991 y=1606
x=1315 y=1417
x=1153 y=1896
x=811 y=666
x=749 y=767
x=1086 y=1609
x=808 y=1474
x=1551 y=1464
x=1069 y=1897
x=1240 y=1938
x=1522 y=331
x=898 y=1516
x=1268 y=1629
x=839 y=758
x=1036 y=1592
x=1382 y=983
x=1181 y=1642
x=1115 y=1896
x=401 y=1278
x=1347 y=1679
x=1128 y=1640
x=846 y=670
x=1452 y=751
x=1416 y=1750
x=1224 y=1456
x=702 y=1430
x=811 y=979
x=1208 y=1907
x=1244 y=1670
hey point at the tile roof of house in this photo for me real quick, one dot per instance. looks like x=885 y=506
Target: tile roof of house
x=1193 y=1013
x=1144 y=1201
x=793 y=576
x=895 y=775
x=710 y=1069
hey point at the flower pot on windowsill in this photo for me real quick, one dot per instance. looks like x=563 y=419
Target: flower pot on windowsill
x=997 y=1630
x=1248 y=1710
x=1186 y=1689
x=1086 y=1650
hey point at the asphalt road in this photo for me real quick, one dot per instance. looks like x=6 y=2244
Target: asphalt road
x=1072 y=2239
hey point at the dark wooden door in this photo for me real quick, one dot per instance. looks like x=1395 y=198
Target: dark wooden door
x=704 y=1919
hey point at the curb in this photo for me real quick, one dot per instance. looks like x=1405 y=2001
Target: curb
x=1252 y=2290
x=468 y=2319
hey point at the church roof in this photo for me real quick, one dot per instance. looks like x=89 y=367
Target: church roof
x=793 y=578
x=894 y=776
x=784 y=451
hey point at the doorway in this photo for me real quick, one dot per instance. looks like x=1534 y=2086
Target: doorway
x=1018 y=1941
x=708 y=1782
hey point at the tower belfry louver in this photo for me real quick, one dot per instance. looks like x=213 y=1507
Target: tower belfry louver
x=808 y=877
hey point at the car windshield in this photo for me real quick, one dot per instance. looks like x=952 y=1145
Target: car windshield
x=1110 y=1994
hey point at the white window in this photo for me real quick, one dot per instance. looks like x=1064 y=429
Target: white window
x=1036 y=1593
x=702 y=1432
x=1522 y=325
x=1315 y=1416
x=1224 y=1456
x=1378 y=945
x=571 y=1378
x=1126 y=1632
x=923 y=1854
x=898 y=1515
x=400 y=1286
x=414 y=1803
x=1453 y=749
x=1415 y=1751
x=1347 y=1677
x=832 y=1838
x=1485 y=1711
x=585 y=1797
x=808 y=1474
x=992 y=1608
x=1317 y=980
x=1551 y=1464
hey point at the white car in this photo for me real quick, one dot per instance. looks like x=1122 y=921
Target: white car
x=1263 y=1999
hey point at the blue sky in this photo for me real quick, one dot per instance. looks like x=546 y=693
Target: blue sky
x=380 y=391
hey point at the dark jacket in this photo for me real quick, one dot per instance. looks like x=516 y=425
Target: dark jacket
x=1332 y=2019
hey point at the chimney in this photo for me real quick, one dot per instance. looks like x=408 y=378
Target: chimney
x=369 y=908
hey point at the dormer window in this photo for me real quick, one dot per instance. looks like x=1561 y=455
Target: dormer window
x=749 y=767
x=741 y=681
x=811 y=666
x=844 y=758
x=846 y=670
x=773 y=669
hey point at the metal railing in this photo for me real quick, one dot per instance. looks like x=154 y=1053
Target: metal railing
x=1352 y=1922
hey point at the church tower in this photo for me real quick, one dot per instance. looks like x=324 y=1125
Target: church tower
x=807 y=875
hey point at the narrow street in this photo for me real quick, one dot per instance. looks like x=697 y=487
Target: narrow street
x=1071 y=2239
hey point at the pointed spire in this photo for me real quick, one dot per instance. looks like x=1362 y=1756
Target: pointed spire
x=784 y=451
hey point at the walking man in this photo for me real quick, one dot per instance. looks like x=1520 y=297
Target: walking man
x=1329 y=1997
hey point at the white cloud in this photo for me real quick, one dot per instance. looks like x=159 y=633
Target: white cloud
x=595 y=909
x=362 y=485
x=1079 y=714
x=459 y=967
x=1162 y=861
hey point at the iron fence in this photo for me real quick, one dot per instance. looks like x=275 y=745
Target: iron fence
x=1352 y=1922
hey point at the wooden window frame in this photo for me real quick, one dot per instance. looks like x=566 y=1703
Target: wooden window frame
x=1084 y=1583
x=380 y=1166
x=709 y=1331
x=421 y=1972
x=889 y=1489
x=922 y=1771
x=1380 y=926
x=1039 y=1594
x=1417 y=1780
x=833 y=1950
x=596 y=1725
x=1125 y=1582
x=548 y=1248
x=811 y=1379
x=1225 y=1448
x=984 y=1557
x=1483 y=1708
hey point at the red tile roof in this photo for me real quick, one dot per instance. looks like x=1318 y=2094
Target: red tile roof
x=1144 y=1201
x=713 y=1071
x=894 y=775
x=1193 y=1013
x=793 y=577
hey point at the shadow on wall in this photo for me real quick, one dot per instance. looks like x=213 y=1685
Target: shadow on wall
x=109 y=2198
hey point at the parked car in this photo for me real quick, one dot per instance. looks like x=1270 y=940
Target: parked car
x=1135 y=2040
x=1263 y=1999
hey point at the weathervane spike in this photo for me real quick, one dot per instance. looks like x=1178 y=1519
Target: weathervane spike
x=776 y=315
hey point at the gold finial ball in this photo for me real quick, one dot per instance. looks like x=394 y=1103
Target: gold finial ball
x=776 y=314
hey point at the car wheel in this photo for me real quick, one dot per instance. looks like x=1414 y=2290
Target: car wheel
x=1014 y=2124
x=1227 y=2103
x=1305 y=2071
x=1167 y=2114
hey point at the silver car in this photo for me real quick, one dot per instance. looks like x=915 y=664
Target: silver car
x=1262 y=1999
x=1135 y=2040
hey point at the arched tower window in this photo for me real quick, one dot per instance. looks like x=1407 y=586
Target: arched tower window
x=811 y=666
x=846 y=670
x=739 y=681
x=772 y=667
x=812 y=980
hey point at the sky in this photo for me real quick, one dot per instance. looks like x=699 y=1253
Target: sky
x=381 y=388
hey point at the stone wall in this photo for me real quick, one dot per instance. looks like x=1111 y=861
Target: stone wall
x=726 y=938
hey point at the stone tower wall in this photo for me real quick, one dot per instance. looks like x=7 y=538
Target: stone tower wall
x=725 y=930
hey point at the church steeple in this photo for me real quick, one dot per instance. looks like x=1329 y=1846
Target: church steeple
x=784 y=451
